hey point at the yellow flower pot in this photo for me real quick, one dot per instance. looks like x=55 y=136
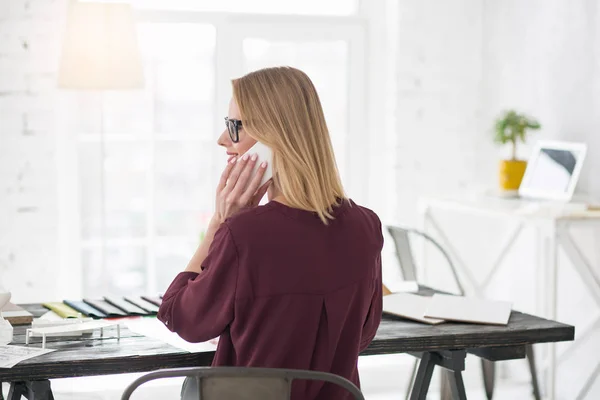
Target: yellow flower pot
x=511 y=174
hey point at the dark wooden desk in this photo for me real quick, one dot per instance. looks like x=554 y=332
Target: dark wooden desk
x=444 y=345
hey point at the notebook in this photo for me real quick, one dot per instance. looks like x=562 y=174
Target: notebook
x=156 y=300
x=409 y=306
x=107 y=308
x=62 y=309
x=143 y=304
x=125 y=306
x=469 y=309
x=85 y=309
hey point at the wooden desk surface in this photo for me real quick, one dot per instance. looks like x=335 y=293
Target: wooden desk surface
x=95 y=355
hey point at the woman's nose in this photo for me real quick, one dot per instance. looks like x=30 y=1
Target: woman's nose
x=223 y=139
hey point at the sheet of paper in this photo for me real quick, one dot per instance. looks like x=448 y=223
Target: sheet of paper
x=409 y=306
x=152 y=327
x=12 y=355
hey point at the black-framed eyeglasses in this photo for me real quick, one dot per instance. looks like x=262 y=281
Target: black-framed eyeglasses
x=233 y=126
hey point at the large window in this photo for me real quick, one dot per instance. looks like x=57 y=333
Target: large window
x=148 y=162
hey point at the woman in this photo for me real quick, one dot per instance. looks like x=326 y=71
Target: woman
x=295 y=283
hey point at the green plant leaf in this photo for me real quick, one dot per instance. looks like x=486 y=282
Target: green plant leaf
x=512 y=126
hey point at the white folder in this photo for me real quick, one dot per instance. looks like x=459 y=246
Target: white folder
x=469 y=309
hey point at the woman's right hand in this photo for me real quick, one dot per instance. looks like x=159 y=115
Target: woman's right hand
x=234 y=192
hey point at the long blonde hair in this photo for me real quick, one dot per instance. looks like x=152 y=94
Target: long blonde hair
x=280 y=107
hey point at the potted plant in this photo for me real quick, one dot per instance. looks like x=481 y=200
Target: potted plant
x=510 y=128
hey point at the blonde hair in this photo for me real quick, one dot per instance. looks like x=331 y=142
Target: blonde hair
x=280 y=107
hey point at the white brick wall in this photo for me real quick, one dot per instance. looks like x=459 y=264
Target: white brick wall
x=29 y=50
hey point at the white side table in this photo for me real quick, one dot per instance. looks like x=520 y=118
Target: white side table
x=552 y=223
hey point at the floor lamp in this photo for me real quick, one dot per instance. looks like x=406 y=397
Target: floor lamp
x=100 y=52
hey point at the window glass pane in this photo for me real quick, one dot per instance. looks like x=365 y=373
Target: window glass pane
x=184 y=190
x=184 y=98
x=170 y=41
x=127 y=166
x=171 y=257
x=315 y=7
x=125 y=180
x=124 y=271
x=128 y=111
x=90 y=189
x=326 y=63
x=85 y=113
x=118 y=112
x=179 y=66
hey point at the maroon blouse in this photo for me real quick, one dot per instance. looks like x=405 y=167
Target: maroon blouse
x=284 y=290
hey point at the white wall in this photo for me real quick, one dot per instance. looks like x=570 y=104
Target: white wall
x=539 y=57
x=438 y=100
x=460 y=63
x=29 y=50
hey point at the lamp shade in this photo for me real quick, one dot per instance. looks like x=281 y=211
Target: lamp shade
x=100 y=48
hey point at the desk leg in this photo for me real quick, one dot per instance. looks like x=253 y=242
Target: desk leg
x=453 y=387
x=31 y=390
x=452 y=363
x=532 y=368
x=445 y=391
x=488 y=370
x=423 y=379
x=457 y=386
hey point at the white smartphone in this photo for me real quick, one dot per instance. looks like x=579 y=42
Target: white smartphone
x=264 y=153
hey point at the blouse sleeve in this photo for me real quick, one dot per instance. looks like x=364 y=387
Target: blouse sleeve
x=200 y=306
